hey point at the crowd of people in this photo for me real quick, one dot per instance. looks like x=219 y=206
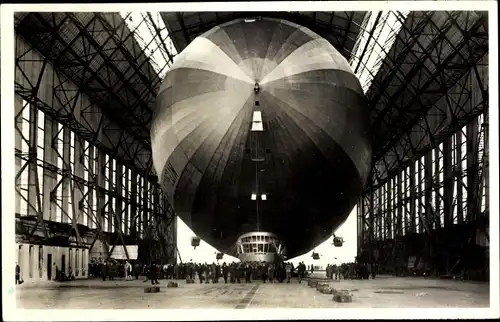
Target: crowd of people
x=349 y=271
x=201 y=272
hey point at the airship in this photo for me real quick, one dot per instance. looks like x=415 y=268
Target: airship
x=261 y=138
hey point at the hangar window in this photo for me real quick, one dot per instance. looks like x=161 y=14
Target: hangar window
x=31 y=255
x=144 y=25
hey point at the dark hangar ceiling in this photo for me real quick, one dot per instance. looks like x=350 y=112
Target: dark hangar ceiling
x=339 y=28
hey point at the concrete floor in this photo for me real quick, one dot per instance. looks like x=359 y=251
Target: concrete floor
x=383 y=292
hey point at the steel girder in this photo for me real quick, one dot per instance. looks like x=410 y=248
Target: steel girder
x=412 y=132
x=118 y=75
x=340 y=28
x=46 y=89
x=451 y=190
x=75 y=113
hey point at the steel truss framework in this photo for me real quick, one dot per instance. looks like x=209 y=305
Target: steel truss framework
x=77 y=157
x=428 y=190
x=340 y=28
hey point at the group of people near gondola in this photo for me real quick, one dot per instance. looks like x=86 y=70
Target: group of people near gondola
x=279 y=272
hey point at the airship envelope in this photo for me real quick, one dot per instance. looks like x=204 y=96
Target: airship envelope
x=257 y=108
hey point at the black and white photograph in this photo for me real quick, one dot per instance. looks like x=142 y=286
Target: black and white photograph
x=292 y=159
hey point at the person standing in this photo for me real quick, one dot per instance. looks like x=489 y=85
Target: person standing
x=18 y=274
x=263 y=272
x=270 y=272
x=176 y=272
x=154 y=274
x=127 y=264
x=300 y=271
x=104 y=270
x=248 y=274
x=288 y=269
x=225 y=271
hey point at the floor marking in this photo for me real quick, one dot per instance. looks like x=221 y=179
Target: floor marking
x=254 y=293
x=248 y=298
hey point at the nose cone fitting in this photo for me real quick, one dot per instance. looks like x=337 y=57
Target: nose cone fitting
x=256 y=88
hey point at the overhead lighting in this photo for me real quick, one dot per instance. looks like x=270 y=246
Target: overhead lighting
x=250 y=20
x=264 y=196
x=254 y=196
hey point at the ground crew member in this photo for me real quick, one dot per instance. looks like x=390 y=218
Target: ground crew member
x=18 y=274
x=200 y=273
x=207 y=273
x=288 y=269
x=270 y=272
x=225 y=271
x=248 y=272
x=137 y=270
x=104 y=270
x=240 y=272
x=154 y=274
x=300 y=271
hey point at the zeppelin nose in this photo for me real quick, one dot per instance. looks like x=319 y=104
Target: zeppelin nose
x=256 y=88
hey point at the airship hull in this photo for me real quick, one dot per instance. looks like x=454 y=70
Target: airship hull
x=310 y=159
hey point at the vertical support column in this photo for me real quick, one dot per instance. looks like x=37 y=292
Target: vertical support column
x=372 y=226
x=172 y=230
x=427 y=220
x=429 y=213
x=78 y=188
x=53 y=159
x=389 y=222
x=33 y=196
x=380 y=214
x=126 y=195
x=459 y=173
x=49 y=177
x=413 y=191
x=19 y=144
x=101 y=202
x=159 y=218
x=435 y=187
x=486 y=167
x=472 y=173
x=66 y=193
x=360 y=222
x=145 y=210
x=93 y=175
x=448 y=183
x=399 y=211
x=133 y=230
x=118 y=206
x=111 y=198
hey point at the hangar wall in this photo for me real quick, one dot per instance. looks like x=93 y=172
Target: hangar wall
x=76 y=181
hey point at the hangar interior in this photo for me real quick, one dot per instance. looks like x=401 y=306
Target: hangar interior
x=85 y=90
